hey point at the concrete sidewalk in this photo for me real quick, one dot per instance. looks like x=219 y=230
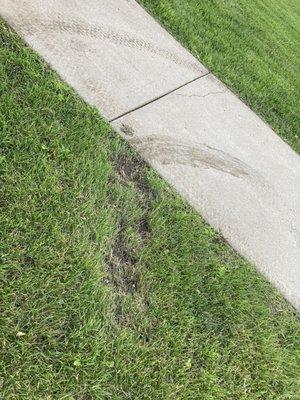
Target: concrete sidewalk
x=195 y=132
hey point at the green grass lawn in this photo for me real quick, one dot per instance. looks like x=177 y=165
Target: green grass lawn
x=112 y=287
x=251 y=45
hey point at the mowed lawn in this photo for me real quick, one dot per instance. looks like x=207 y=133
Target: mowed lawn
x=251 y=45
x=111 y=286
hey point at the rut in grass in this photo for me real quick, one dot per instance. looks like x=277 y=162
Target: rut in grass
x=122 y=266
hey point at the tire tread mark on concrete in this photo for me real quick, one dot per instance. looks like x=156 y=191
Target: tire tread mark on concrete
x=164 y=150
x=101 y=32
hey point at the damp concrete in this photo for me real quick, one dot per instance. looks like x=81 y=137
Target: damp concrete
x=219 y=155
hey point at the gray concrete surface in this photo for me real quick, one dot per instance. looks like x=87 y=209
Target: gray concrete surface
x=201 y=138
x=111 y=51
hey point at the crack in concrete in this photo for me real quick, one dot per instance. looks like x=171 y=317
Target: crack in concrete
x=198 y=95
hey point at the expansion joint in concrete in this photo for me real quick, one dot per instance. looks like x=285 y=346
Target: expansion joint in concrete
x=158 y=97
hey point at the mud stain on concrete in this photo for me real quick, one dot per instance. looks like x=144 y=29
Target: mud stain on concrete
x=127 y=130
x=166 y=151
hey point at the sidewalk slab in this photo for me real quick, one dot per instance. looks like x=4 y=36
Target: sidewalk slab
x=231 y=167
x=111 y=51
